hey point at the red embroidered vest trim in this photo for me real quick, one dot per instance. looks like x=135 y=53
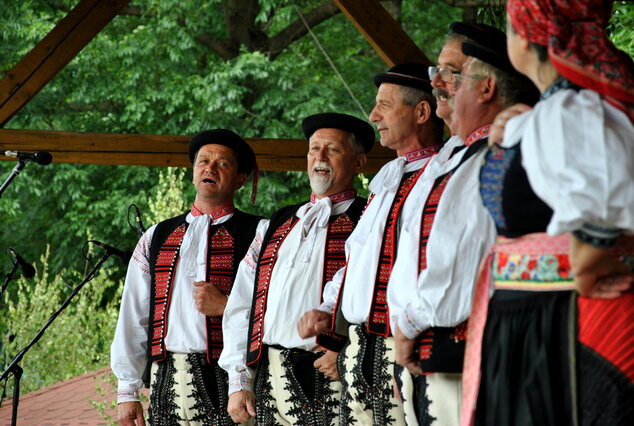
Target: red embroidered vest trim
x=379 y=317
x=429 y=214
x=440 y=349
x=335 y=259
x=265 y=270
x=164 y=276
x=220 y=273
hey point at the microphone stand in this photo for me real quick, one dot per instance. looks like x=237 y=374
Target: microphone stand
x=16 y=171
x=8 y=278
x=14 y=367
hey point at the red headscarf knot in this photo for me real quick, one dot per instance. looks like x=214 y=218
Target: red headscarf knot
x=578 y=46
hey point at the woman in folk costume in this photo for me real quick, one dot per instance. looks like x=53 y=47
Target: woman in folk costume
x=555 y=343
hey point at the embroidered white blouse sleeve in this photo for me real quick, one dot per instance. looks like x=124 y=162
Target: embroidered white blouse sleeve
x=235 y=320
x=128 y=356
x=578 y=152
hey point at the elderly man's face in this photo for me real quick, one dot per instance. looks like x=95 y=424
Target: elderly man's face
x=451 y=59
x=468 y=109
x=395 y=120
x=332 y=162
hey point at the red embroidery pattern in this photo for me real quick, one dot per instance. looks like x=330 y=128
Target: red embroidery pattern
x=216 y=214
x=460 y=333
x=335 y=259
x=219 y=273
x=480 y=133
x=379 y=318
x=425 y=344
x=163 y=278
x=578 y=45
x=338 y=197
x=264 y=279
x=422 y=153
x=429 y=214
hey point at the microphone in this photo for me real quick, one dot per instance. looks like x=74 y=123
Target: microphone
x=41 y=157
x=124 y=255
x=27 y=269
x=140 y=229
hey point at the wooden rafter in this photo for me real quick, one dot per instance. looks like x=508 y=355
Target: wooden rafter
x=383 y=33
x=85 y=21
x=157 y=150
x=50 y=55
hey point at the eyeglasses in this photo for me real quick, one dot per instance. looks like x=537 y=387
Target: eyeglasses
x=447 y=75
x=459 y=77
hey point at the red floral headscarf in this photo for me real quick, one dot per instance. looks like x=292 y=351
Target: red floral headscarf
x=578 y=47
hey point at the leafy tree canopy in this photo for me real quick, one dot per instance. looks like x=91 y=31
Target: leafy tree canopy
x=177 y=68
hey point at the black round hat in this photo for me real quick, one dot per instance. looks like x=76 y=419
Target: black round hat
x=484 y=42
x=410 y=74
x=361 y=129
x=244 y=152
x=481 y=33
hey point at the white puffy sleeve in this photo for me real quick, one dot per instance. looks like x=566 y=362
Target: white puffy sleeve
x=460 y=236
x=578 y=152
x=128 y=355
x=235 y=320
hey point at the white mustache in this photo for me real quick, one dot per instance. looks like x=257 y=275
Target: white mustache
x=322 y=165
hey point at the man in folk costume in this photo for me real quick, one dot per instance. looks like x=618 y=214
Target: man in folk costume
x=447 y=231
x=291 y=258
x=404 y=115
x=176 y=290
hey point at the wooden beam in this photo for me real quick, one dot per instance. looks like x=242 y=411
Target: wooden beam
x=383 y=33
x=157 y=150
x=51 y=54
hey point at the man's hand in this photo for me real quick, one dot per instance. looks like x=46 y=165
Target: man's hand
x=241 y=406
x=130 y=413
x=597 y=273
x=208 y=299
x=404 y=352
x=327 y=364
x=496 y=134
x=313 y=323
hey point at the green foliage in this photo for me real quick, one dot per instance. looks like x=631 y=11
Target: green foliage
x=149 y=74
x=621 y=28
x=77 y=341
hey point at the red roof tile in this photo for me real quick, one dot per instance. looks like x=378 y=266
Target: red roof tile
x=71 y=402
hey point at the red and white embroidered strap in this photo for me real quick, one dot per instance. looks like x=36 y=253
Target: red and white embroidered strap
x=335 y=259
x=429 y=214
x=422 y=153
x=220 y=272
x=338 y=197
x=163 y=278
x=216 y=214
x=478 y=134
x=378 y=317
x=265 y=270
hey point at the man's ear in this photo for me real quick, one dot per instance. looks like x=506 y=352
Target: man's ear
x=359 y=162
x=423 y=112
x=242 y=178
x=489 y=89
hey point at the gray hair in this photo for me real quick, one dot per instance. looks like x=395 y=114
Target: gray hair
x=412 y=97
x=356 y=145
x=512 y=88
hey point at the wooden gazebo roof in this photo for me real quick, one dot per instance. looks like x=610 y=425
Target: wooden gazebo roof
x=87 y=19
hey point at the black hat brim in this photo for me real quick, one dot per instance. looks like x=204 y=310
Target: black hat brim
x=490 y=56
x=244 y=152
x=362 y=130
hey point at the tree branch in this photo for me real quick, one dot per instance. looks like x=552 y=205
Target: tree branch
x=297 y=29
